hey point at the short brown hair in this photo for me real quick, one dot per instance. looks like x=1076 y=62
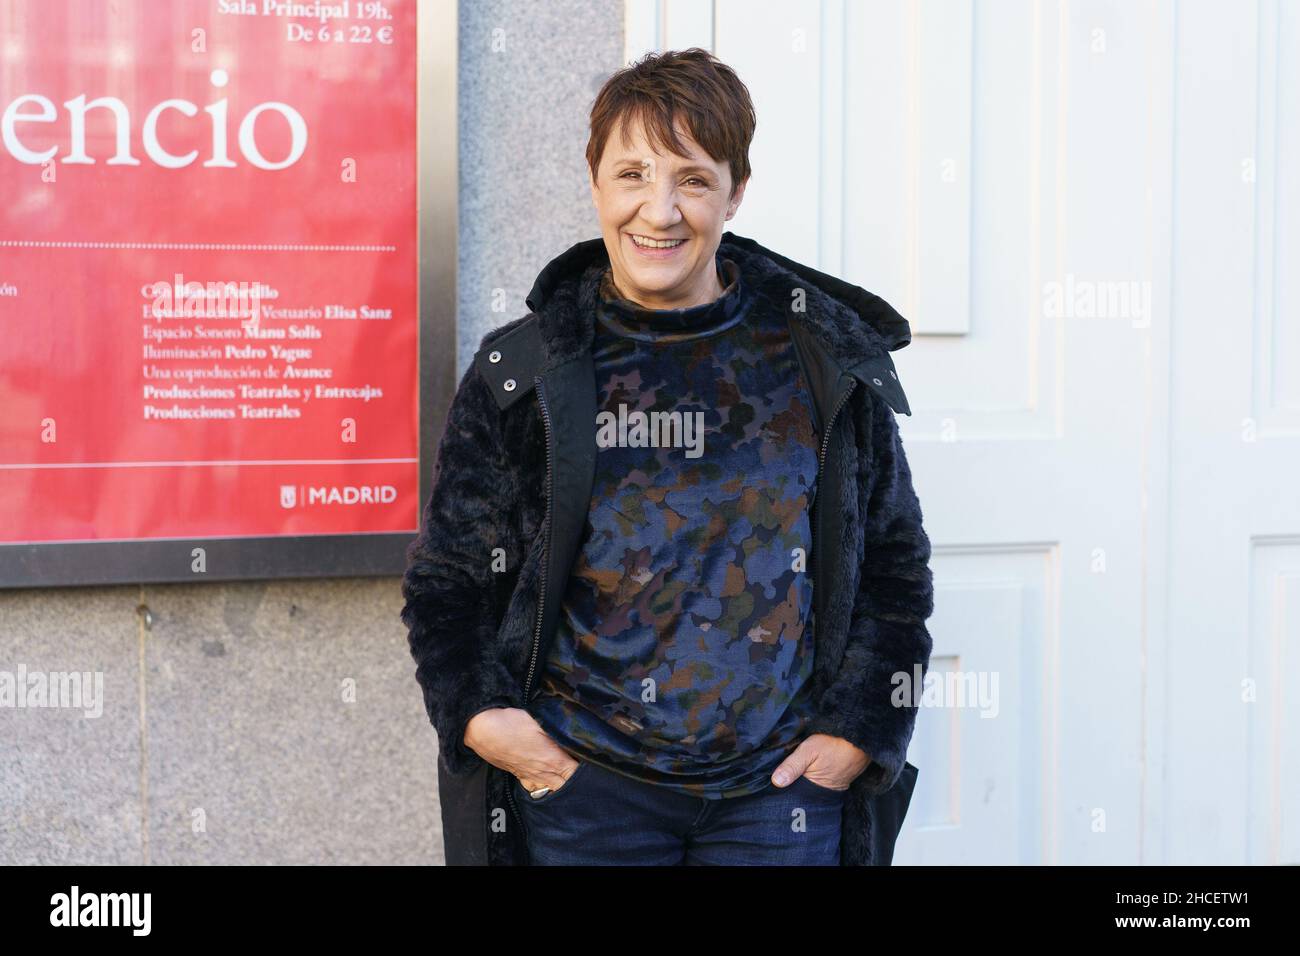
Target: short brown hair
x=659 y=87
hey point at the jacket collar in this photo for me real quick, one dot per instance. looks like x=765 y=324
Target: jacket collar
x=852 y=330
x=853 y=324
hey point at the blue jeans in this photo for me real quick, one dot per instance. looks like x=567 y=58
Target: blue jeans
x=600 y=817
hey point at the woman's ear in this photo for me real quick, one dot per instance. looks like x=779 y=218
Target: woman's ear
x=736 y=198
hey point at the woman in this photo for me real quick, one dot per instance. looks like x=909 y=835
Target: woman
x=639 y=638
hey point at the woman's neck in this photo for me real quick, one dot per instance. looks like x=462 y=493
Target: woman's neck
x=710 y=290
x=619 y=315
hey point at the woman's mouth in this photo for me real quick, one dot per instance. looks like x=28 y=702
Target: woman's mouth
x=653 y=248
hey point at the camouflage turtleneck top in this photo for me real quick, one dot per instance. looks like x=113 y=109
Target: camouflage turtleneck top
x=683 y=652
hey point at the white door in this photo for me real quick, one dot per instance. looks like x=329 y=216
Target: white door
x=1098 y=306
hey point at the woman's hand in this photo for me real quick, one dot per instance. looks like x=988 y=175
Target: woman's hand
x=512 y=739
x=825 y=760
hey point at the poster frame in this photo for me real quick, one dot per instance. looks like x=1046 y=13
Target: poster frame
x=237 y=558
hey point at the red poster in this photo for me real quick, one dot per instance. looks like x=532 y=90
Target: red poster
x=208 y=318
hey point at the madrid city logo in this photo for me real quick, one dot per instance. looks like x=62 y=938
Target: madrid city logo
x=304 y=496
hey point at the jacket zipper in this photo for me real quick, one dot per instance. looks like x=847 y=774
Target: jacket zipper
x=826 y=435
x=546 y=532
x=821 y=469
x=544 y=571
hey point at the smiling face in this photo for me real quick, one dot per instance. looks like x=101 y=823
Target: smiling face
x=662 y=216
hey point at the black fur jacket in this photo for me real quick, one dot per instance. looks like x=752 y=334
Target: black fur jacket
x=511 y=485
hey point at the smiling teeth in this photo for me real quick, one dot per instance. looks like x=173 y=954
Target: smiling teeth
x=657 y=243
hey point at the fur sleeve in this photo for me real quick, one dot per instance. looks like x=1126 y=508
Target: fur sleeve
x=448 y=585
x=865 y=703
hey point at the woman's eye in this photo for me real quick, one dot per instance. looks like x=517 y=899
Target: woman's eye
x=694 y=180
